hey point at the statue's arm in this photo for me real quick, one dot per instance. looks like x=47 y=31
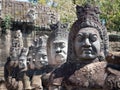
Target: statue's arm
x=113 y=77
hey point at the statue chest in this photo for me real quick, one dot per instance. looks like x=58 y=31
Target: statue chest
x=91 y=76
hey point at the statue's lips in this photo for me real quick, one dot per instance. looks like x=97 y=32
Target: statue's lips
x=59 y=57
x=87 y=51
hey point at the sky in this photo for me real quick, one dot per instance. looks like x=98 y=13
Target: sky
x=23 y=0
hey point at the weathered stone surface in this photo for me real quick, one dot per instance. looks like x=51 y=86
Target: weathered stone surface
x=114 y=47
x=57 y=44
x=86 y=68
x=27 y=12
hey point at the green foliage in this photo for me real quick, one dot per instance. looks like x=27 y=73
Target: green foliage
x=38 y=1
x=6 y=24
x=42 y=2
x=66 y=10
x=33 y=1
x=110 y=10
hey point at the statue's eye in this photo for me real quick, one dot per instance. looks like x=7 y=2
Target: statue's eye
x=80 y=38
x=44 y=56
x=62 y=45
x=93 y=38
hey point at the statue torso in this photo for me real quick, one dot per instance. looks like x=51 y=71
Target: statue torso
x=75 y=75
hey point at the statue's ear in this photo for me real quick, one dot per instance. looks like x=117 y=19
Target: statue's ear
x=79 y=9
x=101 y=57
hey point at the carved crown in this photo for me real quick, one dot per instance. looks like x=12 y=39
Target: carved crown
x=87 y=11
x=43 y=47
x=88 y=16
x=60 y=31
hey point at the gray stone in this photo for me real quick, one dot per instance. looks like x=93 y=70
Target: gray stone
x=57 y=44
x=86 y=68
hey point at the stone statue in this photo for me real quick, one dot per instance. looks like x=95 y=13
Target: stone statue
x=22 y=75
x=38 y=53
x=86 y=68
x=113 y=69
x=17 y=41
x=11 y=67
x=57 y=44
x=36 y=59
x=18 y=34
x=39 y=62
x=23 y=58
x=14 y=66
x=3 y=85
x=32 y=14
x=41 y=52
x=30 y=59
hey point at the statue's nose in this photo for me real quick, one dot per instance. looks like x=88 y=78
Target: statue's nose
x=58 y=50
x=87 y=42
x=41 y=59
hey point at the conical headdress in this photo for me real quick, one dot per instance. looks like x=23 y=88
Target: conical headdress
x=60 y=31
x=87 y=16
x=59 y=34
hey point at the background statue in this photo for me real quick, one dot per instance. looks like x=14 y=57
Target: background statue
x=17 y=41
x=32 y=14
x=41 y=52
x=3 y=85
x=11 y=66
x=14 y=66
x=22 y=77
x=15 y=50
x=57 y=44
x=39 y=62
x=86 y=68
x=36 y=59
x=23 y=59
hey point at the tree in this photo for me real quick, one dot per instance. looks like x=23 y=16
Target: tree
x=66 y=8
x=110 y=12
x=33 y=1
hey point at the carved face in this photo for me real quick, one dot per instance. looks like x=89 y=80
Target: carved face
x=22 y=63
x=87 y=43
x=23 y=58
x=59 y=51
x=43 y=59
x=32 y=14
x=18 y=34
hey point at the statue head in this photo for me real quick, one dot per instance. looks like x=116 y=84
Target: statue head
x=32 y=14
x=23 y=58
x=88 y=38
x=18 y=34
x=41 y=54
x=13 y=54
x=57 y=44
